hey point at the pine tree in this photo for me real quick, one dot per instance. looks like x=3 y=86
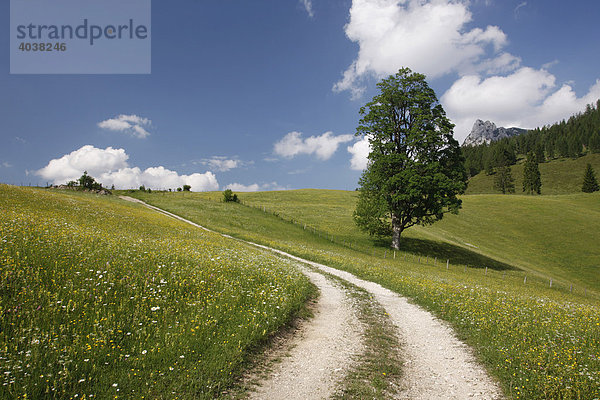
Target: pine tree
x=503 y=181
x=539 y=153
x=532 y=182
x=574 y=147
x=590 y=184
x=550 y=149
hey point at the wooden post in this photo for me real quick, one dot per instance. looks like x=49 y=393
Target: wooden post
x=394 y=254
x=385 y=254
x=550 y=282
x=525 y=280
x=447 y=263
x=571 y=289
x=435 y=261
x=485 y=270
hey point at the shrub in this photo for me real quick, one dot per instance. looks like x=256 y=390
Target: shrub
x=229 y=196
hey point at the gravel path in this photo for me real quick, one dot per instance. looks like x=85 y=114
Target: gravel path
x=321 y=354
x=436 y=364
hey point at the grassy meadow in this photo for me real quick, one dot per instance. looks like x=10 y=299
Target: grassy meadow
x=540 y=342
x=560 y=176
x=102 y=299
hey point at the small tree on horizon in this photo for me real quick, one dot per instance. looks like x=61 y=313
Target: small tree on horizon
x=590 y=183
x=88 y=182
x=187 y=188
x=229 y=196
x=532 y=181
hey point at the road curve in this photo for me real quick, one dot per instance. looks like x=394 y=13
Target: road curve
x=436 y=364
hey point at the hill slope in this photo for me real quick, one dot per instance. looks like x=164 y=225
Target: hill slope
x=560 y=176
x=97 y=296
x=540 y=342
x=552 y=236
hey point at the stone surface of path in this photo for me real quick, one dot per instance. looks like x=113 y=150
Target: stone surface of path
x=322 y=352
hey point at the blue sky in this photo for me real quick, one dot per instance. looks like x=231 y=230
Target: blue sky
x=262 y=95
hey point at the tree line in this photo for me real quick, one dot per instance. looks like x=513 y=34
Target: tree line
x=572 y=138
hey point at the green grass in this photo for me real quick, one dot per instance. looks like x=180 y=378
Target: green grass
x=561 y=176
x=540 y=342
x=101 y=298
x=552 y=236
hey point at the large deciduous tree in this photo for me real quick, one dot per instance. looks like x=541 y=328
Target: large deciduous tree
x=415 y=170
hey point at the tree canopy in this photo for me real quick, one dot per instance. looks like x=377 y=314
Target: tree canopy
x=415 y=170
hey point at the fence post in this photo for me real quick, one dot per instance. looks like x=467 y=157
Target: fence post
x=447 y=263
x=485 y=270
x=525 y=280
x=550 y=282
x=385 y=254
x=394 y=254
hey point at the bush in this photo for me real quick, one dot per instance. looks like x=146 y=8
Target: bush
x=229 y=196
x=186 y=188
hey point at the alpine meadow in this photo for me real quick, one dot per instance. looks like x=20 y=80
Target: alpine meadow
x=300 y=200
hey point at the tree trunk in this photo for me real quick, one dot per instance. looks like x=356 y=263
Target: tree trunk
x=397 y=231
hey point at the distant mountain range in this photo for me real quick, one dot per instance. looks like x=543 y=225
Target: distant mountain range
x=487 y=132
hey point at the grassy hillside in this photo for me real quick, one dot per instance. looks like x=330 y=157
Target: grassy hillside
x=556 y=236
x=561 y=176
x=103 y=298
x=553 y=236
x=540 y=342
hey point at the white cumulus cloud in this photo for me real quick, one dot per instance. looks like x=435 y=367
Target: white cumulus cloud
x=526 y=98
x=435 y=37
x=255 y=187
x=223 y=164
x=360 y=153
x=88 y=158
x=109 y=166
x=131 y=124
x=323 y=146
x=428 y=36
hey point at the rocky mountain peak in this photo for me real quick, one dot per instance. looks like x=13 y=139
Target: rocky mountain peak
x=487 y=132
